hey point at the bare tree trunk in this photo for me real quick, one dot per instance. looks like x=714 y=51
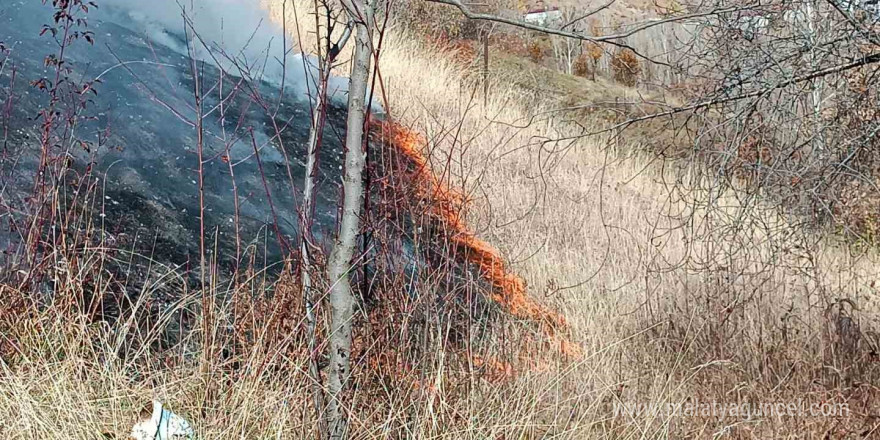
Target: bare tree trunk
x=339 y=265
x=326 y=57
x=308 y=293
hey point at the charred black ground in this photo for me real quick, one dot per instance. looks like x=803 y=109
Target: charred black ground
x=137 y=135
x=135 y=142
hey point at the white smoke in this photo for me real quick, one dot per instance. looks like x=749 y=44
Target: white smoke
x=236 y=29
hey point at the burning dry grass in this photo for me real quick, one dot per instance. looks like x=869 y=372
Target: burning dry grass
x=449 y=206
x=675 y=289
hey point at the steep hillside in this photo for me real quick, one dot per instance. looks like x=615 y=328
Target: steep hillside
x=663 y=289
x=675 y=292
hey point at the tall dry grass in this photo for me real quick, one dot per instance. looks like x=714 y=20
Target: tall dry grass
x=677 y=288
x=676 y=291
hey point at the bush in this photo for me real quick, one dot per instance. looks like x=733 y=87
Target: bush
x=445 y=22
x=582 y=66
x=626 y=67
x=536 y=51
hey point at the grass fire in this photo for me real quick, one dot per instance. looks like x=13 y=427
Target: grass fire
x=363 y=219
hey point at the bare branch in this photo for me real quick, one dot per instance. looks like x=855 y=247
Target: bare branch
x=609 y=39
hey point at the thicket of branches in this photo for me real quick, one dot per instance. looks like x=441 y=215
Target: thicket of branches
x=775 y=95
x=790 y=111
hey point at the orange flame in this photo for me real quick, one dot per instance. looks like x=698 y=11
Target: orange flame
x=508 y=289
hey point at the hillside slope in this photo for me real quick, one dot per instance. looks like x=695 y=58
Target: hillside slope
x=677 y=293
x=674 y=292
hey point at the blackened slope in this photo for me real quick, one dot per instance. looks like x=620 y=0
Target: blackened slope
x=141 y=136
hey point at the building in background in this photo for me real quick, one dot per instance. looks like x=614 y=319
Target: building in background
x=543 y=15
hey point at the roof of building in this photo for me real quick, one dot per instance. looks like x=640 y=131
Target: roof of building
x=542 y=10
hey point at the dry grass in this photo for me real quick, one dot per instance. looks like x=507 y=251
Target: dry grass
x=672 y=299
x=675 y=293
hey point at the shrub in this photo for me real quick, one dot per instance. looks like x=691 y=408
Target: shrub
x=582 y=66
x=536 y=51
x=587 y=63
x=446 y=22
x=626 y=67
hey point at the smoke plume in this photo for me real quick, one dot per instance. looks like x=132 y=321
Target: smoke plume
x=231 y=32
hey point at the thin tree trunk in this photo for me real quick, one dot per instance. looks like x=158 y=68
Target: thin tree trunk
x=306 y=217
x=326 y=57
x=339 y=265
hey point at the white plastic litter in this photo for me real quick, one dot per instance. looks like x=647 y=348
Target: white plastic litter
x=162 y=425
